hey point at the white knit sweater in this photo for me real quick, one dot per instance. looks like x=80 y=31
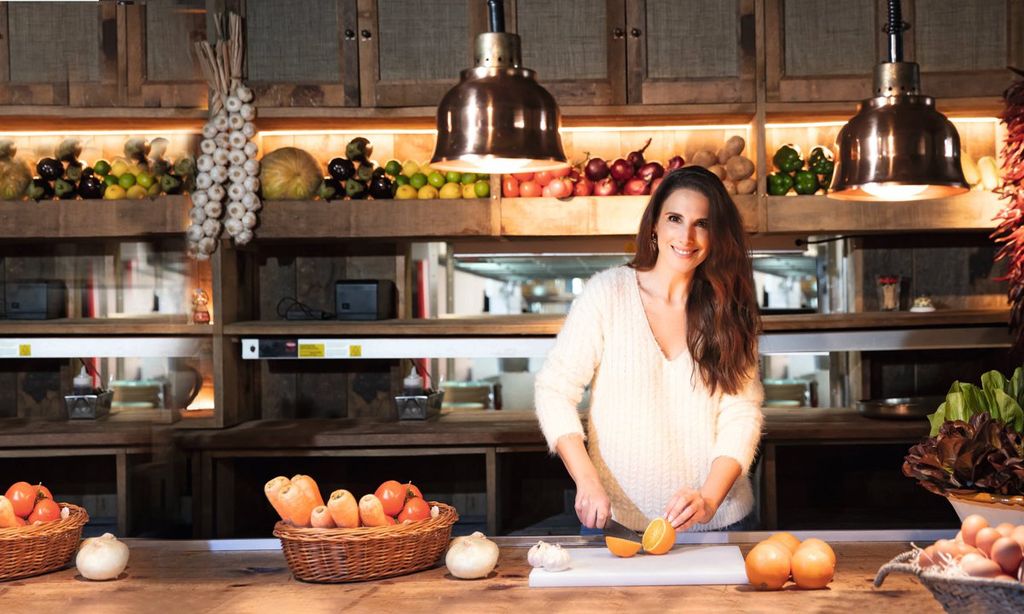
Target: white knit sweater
x=653 y=426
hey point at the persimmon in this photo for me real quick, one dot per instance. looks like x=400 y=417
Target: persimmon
x=344 y=509
x=768 y=565
x=812 y=568
x=320 y=518
x=392 y=497
x=659 y=536
x=371 y=512
x=272 y=490
x=621 y=547
x=788 y=540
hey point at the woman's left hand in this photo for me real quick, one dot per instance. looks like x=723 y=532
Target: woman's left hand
x=688 y=507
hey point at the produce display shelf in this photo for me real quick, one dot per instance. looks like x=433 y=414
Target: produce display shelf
x=94 y=219
x=101 y=347
x=171 y=325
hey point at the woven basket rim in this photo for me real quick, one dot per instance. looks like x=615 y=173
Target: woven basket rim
x=446 y=516
x=1001 y=505
x=77 y=518
x=907 y=560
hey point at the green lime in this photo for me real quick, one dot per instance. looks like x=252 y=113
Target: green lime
x=393 y=168
x=102 y=167
x=418 y=180
x=126 y=180
x=469 y=178
x=436 y=179
x=452 y=177
x=401 y=180
x=482 y=189
x=110 y=180
x=483 y=176
x=144 y=179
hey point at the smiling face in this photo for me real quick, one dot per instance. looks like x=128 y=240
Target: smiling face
x=684 y=238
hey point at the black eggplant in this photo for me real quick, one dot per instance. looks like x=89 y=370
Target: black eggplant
x=91 y=187
x=359 y=149
x=330 y=189
x=341 y=169
x=355 y=189
x=39 y=189
x=50 y=169
x=62 y=188
x=380 y=188
x=378 y=172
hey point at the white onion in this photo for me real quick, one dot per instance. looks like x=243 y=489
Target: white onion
x=237 y=157
x=232 y=104
x=219 y=174
x=197 y=215
x=251 y=149
x=252 y=182
x=252 y=167
x=237 y=174
x=205 y=162
x=213 y=209
x=249 y=219
x=235 y=122
x=249 y=130
x=199 y=198
x=203 y=181
x=209 y=130
x=247 y=112
x=471 y=557
x=236 y=191
x=237 y=139
x=216 y=192
x=195 y=231
x=208 y=146
x=102 y=558
x=244 y=94
x=236 y=210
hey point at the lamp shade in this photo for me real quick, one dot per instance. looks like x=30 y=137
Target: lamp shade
x=898 y=148
x=498 y=119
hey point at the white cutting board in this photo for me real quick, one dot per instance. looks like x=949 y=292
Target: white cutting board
x=681 y=565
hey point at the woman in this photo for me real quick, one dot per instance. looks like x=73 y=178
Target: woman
x=670 y=342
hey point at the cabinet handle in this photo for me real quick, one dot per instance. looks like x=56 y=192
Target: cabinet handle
x=635 y=33
x=366 y=34
x=350 y=34
x=618 y=33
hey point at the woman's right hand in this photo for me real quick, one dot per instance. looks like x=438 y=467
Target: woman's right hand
x=592 y=503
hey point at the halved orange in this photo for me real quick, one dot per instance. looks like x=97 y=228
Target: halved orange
x=621 y=547
x=659 y=537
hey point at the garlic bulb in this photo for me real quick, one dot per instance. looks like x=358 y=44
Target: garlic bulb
x=251 y=149
x=209 y=130
x=235 y=122
x=208 y=146
x=252 y=183
x=195 y=232
x=236 y=210
x=243 y=237
x=199 y=199
x=216 y=192
x=213 y=209
x=237 y=157
x=237 y=139
x=247 y=112
x=551 y=557
x=102 y=558
x=203 y=181
x=236 y=191
x=535 y=557
x=233 y=226
x=244 y=94
x=237 y=174
x=249 y=220
x=222 y=140
x=252 y=167
x=197 y=215
x=249 y=130
x=471 y=557
x=219 y=174
x=251 y=201
x=220 y=156
x=205 y=162
x=220 y=121
x=211 y=227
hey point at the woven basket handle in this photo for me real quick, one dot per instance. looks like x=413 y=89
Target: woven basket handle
x=902 y=564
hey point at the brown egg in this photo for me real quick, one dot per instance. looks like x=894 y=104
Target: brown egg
x=1005 y=577
x=926 y=558
x=985 y=538
x=970 y=527
x=1018 y=535
x=979 y=567
x=965 y=549
x=1007 y=553
x=946 y=548
x=1005 y=529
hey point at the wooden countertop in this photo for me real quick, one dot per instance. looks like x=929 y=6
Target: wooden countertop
x=186 y=577
x=519 y=428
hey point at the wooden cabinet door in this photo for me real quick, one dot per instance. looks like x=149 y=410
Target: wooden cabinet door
x=302 y=54
x=964 y=47
x=577 y=47
x=822 y=51
x=690 y=51
x=59 y=53
x=160 y=53
x=411 y=53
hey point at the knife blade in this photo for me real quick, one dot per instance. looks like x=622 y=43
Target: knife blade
x=615 y=529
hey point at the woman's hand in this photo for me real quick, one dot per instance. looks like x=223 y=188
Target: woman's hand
x=688 y=507
x=592 y=503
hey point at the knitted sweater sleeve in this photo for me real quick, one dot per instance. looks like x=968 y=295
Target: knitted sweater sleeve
x=569 y=367
x=738 y=427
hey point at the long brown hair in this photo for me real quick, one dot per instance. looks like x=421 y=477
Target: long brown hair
x=721 y=309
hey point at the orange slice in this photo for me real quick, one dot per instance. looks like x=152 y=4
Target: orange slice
x=659 y=537
x=621 y=547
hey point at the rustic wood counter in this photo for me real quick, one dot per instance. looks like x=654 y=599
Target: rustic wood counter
x=186 y=577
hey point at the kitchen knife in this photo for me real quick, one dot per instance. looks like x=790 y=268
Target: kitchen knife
x=614 y=529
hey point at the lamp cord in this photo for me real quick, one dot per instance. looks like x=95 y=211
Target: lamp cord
x=496 y=15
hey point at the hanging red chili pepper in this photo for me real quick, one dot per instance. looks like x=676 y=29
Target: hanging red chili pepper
x=1010 y=231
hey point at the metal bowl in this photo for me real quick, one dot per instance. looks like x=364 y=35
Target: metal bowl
x=899 y=408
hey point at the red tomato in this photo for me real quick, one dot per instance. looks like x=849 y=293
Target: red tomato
x=22 y=496
x=523 y=176
x=392 y=496
x=509 y=187
x=544 y=177
x=46 y=510
x=583 y=187
x=415 y=509
x=43 y=492
x=561 y=172
x=560 y=188
x=390 y=520
x=412 y=491
x=529 y=189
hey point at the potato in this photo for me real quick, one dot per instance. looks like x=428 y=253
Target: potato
x=718 y=170
x=739 y=167
x=704 y=158
x=730 y=187
x=734 y=146
x=746 y=186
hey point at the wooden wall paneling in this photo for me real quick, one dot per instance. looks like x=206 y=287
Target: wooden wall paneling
x=39 y=389
x=317 y=69
x=578 y=48
x=321 y=384
x=277 y=378
x=232 y=288
x=161 y=66
x=8 y=392
x=711 y=61
x=5 y=42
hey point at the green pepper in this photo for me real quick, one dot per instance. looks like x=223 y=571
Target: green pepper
x=820 y=156
x=787 y=159
x=805 y=182
x=827 y=168
x=355 y=189
x=779 y=184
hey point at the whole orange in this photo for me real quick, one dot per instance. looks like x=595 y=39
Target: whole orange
x=768 y=566
x=812 y=568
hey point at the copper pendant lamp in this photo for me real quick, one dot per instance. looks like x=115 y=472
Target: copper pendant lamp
x=498 y=119
x=897 y=146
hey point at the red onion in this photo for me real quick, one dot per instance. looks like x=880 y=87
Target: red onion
x=606 y=187
x=636 y=158
x=675 y=162
x=636 y=187
x=596 y=169
x=650 y=171
x=622 y=170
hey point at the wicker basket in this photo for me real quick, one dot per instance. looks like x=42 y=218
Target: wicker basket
x=973 y=595
x=366 y=553
x=33 y=550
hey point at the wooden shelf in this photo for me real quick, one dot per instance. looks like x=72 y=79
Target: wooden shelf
x=822 y=215
x=170 y=325
x=550 y=324
x=344 y=219
x=23 y=433
x=94 y=219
